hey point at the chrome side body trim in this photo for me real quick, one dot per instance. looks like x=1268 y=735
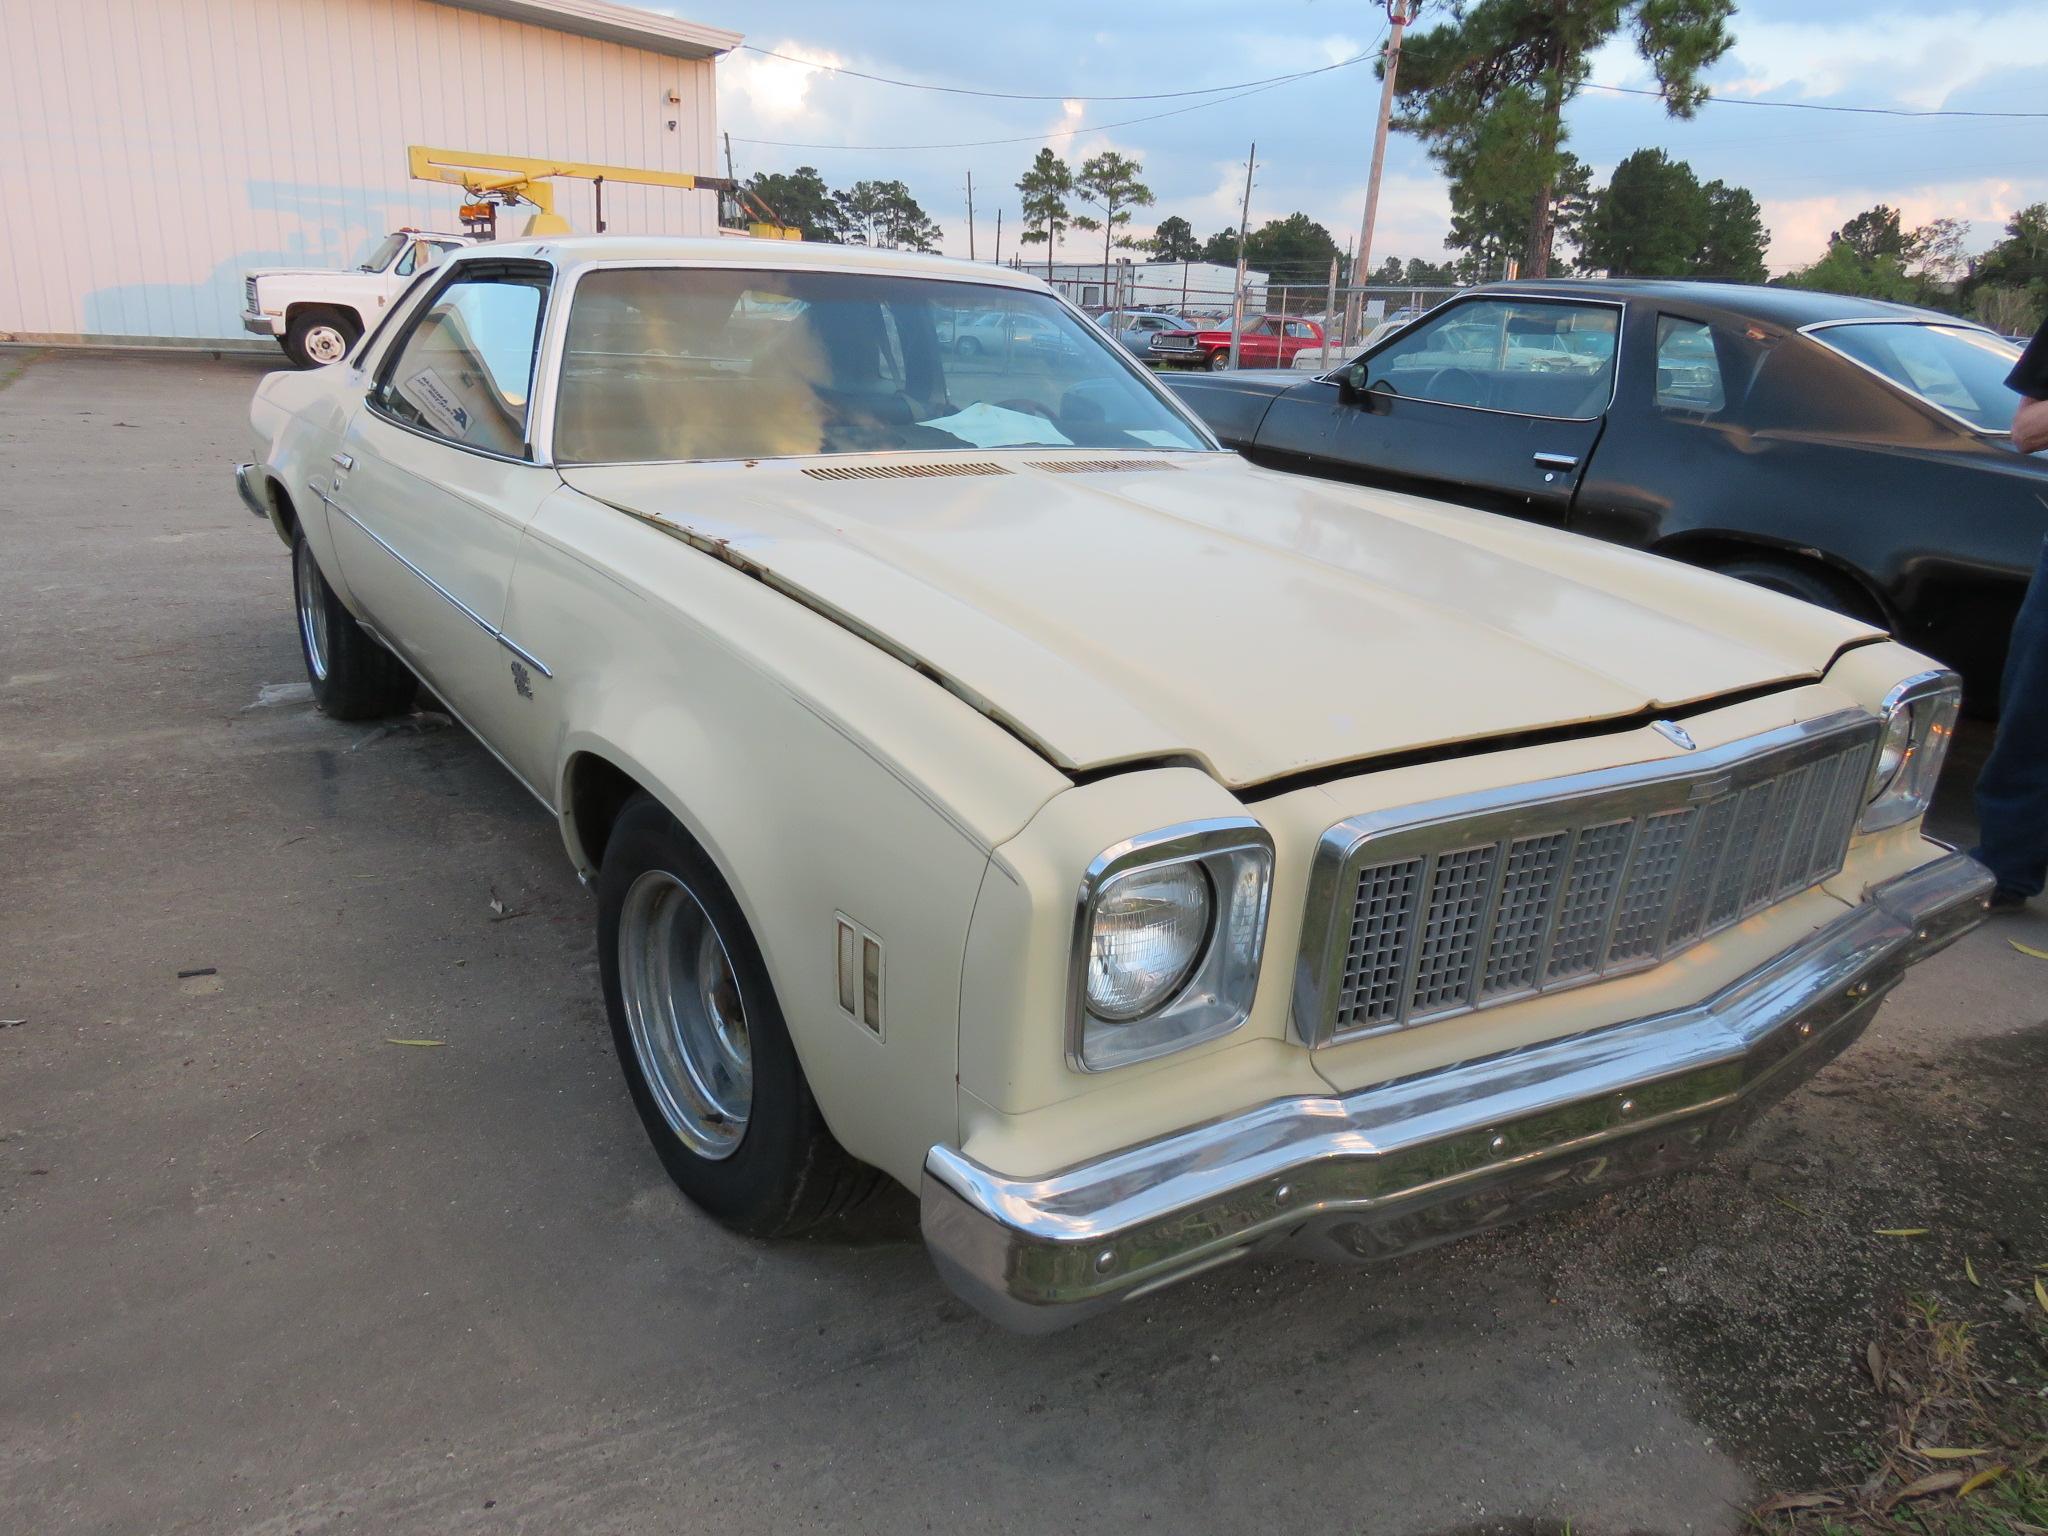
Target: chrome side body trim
x=457 y=603
x=1412 y=1162
x=1580 y=802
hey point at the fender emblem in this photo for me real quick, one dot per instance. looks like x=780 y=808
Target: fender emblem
x=522 y=681
x=1675 y=733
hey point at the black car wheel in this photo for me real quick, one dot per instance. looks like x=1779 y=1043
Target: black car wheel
x=353 y=677
x=1809 y=585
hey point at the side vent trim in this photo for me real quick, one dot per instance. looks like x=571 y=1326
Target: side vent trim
x=858 y=971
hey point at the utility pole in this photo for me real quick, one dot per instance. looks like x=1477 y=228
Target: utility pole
x=1399 y=14
x=970 y=215
x=1244 y=221
x=999 y=237
x=1329 y=312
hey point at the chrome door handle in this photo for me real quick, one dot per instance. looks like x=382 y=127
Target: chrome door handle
x=344 y=463
x=1557 y=461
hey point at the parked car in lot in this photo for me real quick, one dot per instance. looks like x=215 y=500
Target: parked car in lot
x=1011 y=336
x=1135 y=328
x=316 y=313
x=1146 y=857
x=1270 y=341
x=1852 y=453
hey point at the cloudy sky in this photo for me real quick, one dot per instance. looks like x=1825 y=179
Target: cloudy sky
x=1810 y=170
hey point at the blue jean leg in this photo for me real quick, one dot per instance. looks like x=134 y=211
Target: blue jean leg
x=2012 y=792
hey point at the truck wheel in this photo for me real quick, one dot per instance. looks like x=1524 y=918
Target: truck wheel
x=1808 y=585
x=1218 y=361
x=353 y=677
x=317 y=335
x=702 y=1041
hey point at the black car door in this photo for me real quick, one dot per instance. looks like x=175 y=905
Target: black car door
x=1492 y=401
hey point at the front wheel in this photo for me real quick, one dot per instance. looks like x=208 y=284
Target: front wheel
x=316 y=336
x=1218 y=361
x=701 y=1038
x=353 y=677
x=1808 y=585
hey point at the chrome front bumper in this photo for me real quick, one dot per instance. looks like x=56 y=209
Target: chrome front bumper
x=247 y=492
x=261 y=324
x=1405 y=1164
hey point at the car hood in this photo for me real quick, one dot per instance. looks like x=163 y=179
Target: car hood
x=309 y=272
x=1204 y=609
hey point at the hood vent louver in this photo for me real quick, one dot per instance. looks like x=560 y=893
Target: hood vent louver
x=1096 y=466
x=899 y=471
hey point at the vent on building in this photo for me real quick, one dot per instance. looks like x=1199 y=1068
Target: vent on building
x=1096 y=466
x=899 y=471
x=859 y=973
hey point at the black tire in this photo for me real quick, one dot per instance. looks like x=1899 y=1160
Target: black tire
x=1809 y=585
x=353 y=677
x=967 y=346
x=310 y=335
x=1217 y=362
x=787 y=1173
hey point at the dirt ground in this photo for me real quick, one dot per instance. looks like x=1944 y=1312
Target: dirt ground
x=261 y=1271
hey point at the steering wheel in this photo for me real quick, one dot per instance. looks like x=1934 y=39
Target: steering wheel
x=1446 y=379
x=1031 y=407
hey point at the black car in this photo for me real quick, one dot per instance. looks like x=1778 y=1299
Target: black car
x=1849 y=452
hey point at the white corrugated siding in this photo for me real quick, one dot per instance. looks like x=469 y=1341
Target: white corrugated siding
x=152 y=150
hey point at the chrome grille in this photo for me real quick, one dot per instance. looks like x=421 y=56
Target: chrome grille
x=249 y=293
x=1465 y=904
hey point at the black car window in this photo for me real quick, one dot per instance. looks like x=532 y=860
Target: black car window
x=1688 y=367
x=1527 y=358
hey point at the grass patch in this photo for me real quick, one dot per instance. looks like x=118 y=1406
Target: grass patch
x=1964 y=1450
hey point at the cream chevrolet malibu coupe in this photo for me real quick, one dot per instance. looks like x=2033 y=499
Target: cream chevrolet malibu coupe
x=1146 y=858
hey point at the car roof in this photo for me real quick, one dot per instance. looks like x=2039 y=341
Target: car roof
x=1788 y=307
x=573 y=251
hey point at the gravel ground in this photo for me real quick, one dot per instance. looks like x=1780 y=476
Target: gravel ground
x=261 y=1271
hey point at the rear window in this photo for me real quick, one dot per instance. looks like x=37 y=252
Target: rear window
x=1959 y=368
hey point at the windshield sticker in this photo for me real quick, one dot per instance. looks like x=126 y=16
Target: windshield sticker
x=996 y=426
x=435 y=401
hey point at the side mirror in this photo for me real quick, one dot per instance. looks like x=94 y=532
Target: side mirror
x=1350 y=381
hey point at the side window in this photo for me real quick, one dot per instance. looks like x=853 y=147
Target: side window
x=1688 y=367
x=1527 y=358
x=465 y=370
x=409 y=262
x=1302 y=329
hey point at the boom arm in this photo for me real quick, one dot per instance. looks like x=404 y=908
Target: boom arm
x=524 y=179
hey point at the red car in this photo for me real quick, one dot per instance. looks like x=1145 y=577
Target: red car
x=1271 y=341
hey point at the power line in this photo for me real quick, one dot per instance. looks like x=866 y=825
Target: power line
x=1813 y=106
x=967 y=90
x=1067 y=133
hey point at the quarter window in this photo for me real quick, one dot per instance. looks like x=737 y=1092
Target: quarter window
x=1531 y=359
x=1688 y=367
x=465 y=370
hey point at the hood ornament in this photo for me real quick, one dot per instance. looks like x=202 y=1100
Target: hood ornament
x=1673 y=732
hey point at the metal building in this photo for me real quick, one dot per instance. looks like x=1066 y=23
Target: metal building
x=152 y=150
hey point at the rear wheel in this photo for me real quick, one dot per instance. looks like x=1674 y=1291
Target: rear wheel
x=353 y=677
x=317 y=335
x=701 y=1038
x=1809 y=585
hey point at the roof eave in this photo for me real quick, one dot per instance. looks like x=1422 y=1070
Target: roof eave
x=627 y=25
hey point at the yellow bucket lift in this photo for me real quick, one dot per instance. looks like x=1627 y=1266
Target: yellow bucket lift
x=495 y=181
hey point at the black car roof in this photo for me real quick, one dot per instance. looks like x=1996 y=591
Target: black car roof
x=1788 y=307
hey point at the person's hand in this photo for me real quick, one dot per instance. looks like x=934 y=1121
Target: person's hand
x=2030 y=426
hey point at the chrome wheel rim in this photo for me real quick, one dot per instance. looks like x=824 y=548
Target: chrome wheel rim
x=325 y=344
x=685 y=1015
x=312 y=615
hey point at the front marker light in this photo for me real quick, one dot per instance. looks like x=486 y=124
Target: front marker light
x=1919 y=722
x=1167 y=941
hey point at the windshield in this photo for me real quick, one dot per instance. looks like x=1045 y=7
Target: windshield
x=707 y=363
x=376 y=253
x=1958 y=367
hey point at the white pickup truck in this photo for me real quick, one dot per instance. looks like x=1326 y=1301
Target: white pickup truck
x=316 y=313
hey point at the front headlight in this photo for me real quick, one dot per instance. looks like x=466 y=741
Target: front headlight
x=1919 y=722
x=1167 y=941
